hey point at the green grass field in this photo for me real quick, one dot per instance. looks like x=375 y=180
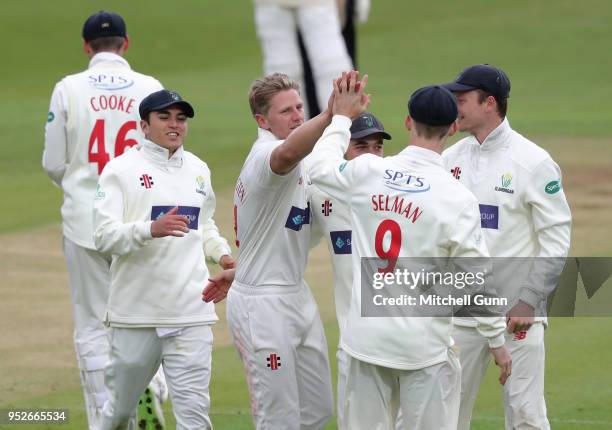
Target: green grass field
x=555 y=52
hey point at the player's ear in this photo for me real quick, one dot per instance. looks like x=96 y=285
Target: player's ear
x=126 y=44
x=262 y=122
x=453 y=129
x=87 y=48
x=408 y=123
x=144 y=125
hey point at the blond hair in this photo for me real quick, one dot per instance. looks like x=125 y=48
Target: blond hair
x=263 y=89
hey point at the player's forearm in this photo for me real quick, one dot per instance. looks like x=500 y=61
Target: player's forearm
x=299 y=144
x=492 y=328
x=215 y=246
x=117 y=238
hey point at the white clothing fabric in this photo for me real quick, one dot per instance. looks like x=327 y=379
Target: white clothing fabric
x=93 y=117
x=524 y=214
x=135 y=356
x=156 y=282
x=319 y=26
x=428 y=398
x=279 y=336
x=432 y=230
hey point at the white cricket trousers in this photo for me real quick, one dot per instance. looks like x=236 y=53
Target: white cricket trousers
x=524 y=403
x=89 y=280
x=343 y=367
x=135 y=356
x=280 y=339
x=320 y=28
x=428 y=398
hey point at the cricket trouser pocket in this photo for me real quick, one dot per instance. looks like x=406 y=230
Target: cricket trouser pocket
x=279 y=336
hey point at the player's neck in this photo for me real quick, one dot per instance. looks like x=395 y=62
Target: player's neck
x=483 y=132
x=432 y=145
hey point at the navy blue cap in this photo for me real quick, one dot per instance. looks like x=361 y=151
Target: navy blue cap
x=433 y=105
x=103 y=24
x=162 y=99
x=366 y=125
x=482 y=77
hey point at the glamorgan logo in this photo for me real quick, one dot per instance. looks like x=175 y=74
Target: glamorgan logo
x=405 y=181
x=506 y=181
x=200 y=185
x=191 y=212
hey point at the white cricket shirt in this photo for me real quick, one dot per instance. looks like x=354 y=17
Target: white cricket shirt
x=272 y=220
x=523 y=208
x=435 y=217
x=156 y=282
x=93 y=117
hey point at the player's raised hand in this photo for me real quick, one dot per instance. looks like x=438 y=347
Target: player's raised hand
x=349 y=96
x=503 y=359
x=218 y=286
x=170 y=224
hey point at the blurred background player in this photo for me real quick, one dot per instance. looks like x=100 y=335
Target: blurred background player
x=350 y=12
x=93 y=118
x=524 y=214
x=278 y=22
x=403 y=362
x=331 y=220
x=153 y=212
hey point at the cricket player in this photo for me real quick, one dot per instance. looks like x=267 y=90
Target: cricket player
x=524 y=214
x=93 y=118
x=277 y=23
x=403 y=362
x=153 y=212
x=273 y=318
x=331 y=220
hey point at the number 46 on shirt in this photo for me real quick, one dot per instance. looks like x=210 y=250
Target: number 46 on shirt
x=97 y=146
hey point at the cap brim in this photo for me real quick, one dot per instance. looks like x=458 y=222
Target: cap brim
x=369 y=132
x=183 y=104
x=457 y=87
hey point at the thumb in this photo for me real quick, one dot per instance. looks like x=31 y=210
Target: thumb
x=173 y=211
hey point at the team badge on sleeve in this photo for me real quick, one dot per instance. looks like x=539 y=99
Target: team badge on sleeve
x=200 y=185
x=50 y=116
x=552 y=187
x=341 y=241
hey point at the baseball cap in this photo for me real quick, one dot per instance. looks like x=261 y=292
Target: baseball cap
x=162 y=99
x=484 y=77
x=433 y=105
x=103 y=24
x=367 y=124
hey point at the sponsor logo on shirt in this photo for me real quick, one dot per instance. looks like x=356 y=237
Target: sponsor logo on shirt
x=326 y=207
x=506 y=181
x=489 y=216
x=200 y=185
x=405 y=181
x=146 y=181
x=341 y=241
x=110 y=81
x=520 y=335
x=298 y=217
x=342 y=166
x=191 y=212
x=456 y=172
x=552 y=187
x=50 y=116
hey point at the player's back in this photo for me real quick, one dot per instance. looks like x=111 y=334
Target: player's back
x=406 y=206
x=102 y=121
x=272 y=220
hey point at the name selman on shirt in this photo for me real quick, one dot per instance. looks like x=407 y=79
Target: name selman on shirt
x=409 y=206
x=271 y=219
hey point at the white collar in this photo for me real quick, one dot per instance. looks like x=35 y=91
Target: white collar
x=497 y=137
x=158 y=155
x=108 y=57
x=265 y=135
x=422 y=155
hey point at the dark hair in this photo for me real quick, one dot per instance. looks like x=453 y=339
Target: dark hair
x=111 y=43
x=502 y=103
x=430 y=131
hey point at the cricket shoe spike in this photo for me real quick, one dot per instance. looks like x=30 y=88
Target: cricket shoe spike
x=150 y=412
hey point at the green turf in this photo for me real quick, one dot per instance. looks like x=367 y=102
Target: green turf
x=554 y=53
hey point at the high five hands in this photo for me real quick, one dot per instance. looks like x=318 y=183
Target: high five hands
x=348 y=97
